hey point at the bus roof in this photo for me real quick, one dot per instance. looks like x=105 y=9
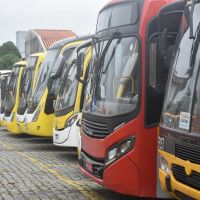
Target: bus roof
x=115 y=2
x=63 y=42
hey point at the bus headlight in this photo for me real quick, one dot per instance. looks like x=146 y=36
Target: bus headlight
x=36 y=115
x=112 y=154
x=164 y=165
x=119 y=150
x=71 y=120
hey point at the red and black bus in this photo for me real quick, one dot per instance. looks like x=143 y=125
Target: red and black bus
x=124 y=96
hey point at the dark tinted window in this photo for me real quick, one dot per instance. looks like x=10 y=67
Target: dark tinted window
x=120 y=15
x=104 y=19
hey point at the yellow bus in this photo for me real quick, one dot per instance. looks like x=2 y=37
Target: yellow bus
x=40 y=113
x=179 y=132
x=12 y=97
x=26 y=87
x=69 y=105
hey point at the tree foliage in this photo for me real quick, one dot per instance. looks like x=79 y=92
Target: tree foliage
x=7 y=61
x=9 y=55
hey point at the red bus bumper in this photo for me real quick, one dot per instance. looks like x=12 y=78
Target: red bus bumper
x=122 y=176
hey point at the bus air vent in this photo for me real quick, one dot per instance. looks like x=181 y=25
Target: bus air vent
x=95 y=129
x=187 y=153
x=180 y=175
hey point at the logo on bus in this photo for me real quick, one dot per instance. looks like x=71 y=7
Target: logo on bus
x=188 y=169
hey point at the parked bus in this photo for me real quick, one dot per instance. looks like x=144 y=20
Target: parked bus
x=26 y=87
x=179 y=141
x=12 y=97
x=40 y=112
x=124 y=97
x=4 y=80
x=69 y=104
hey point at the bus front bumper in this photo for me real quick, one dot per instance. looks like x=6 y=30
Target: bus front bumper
x=1 y=118
x=43 y=126
x=68 y=137
x=20 y=122
x=169 y=183
x=114 y=177
x=11 y=124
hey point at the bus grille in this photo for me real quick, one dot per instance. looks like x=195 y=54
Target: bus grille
x=95 y=129
x=180 y=175
x=187 y=153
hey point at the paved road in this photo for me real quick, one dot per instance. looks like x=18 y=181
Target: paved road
x=32 y=168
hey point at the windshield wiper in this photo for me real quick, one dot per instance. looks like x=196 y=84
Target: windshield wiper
x=66 y=74
x=111 y=56
x=94 y=44
x=99 y=63
x=195 y=47
x=105 y=50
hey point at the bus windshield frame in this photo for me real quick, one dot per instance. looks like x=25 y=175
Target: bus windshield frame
x=117 y=57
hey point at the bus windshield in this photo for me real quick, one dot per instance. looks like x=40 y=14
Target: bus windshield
x=114 y=16
x=180 y=95
x=27 y=81
x=4 y=84
x=113 y=84
x=44 y=73
x=68 y=88
x=12 y=90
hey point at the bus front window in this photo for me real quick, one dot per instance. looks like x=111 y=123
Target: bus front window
x=3 y=92
x=27 y=81
x=113 y=85
x=12 y=90
x=179 y=98
x=43 y=75
x=68 y=89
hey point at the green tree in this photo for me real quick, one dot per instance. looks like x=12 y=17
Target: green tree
x=9 y=48
x=9 y=55
x=7 y=61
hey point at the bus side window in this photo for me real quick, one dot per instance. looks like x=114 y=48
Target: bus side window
x=160 y=48
x=154 y=89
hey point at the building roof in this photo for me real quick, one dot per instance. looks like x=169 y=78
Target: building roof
x=48 y=37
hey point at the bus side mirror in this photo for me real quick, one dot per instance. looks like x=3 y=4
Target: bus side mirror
x=58 y=66
x=80 y=65
x=123 y=86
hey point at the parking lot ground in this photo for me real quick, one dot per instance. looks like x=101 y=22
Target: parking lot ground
x=33 y=168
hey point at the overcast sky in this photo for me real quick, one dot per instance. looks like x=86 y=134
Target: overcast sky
x=22 y=15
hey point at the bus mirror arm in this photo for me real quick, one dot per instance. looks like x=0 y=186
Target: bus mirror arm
x=85 y=45
x=78 y=123
x=163 y=43
x=80 y=64
x=189 y=17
